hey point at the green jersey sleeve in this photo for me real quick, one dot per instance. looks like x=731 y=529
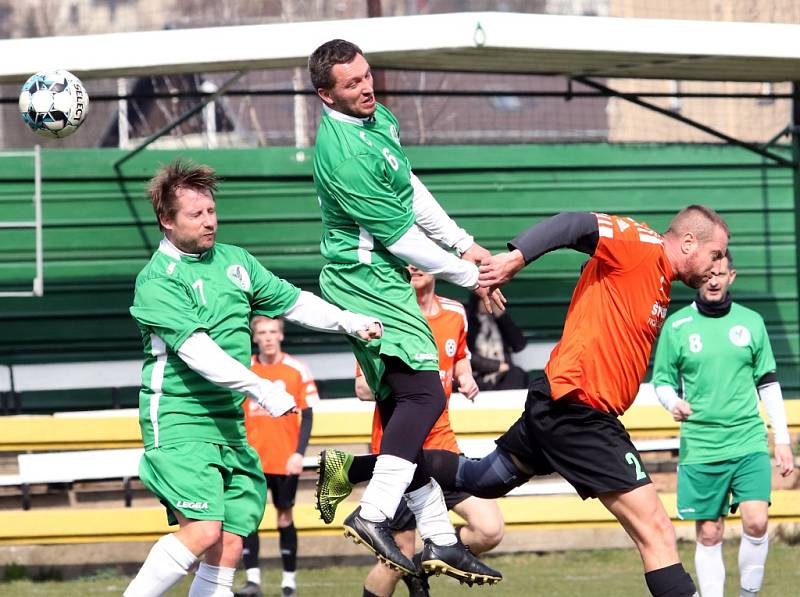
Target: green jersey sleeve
x=362 y=188
x=763 y=358
x=169 y=309
x=665 y=365
x=272 y=296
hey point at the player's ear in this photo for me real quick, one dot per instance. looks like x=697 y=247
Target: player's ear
x=167 y=222
x=688 y=243
x=325 y=96
x=733 y=276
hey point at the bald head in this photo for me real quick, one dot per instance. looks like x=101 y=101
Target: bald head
x=696 y=239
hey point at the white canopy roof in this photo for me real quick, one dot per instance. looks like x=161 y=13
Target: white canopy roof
x=478 y=41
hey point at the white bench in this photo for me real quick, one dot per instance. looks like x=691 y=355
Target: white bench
x=73 y=466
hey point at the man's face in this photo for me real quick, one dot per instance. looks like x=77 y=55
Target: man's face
x=716 y=287
x=194 y=227
x=702 y=258
x=267 y=336
x=419 y=279
x=352 y=91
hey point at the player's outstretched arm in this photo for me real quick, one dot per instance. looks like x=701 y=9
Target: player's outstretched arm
x=574 y=230
x=417 y=249
x=318 y=314
x=437 y=225
x=206 y=358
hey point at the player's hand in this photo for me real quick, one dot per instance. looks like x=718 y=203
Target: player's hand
x=784 y=459
x=476 y=254
x=275 y=399
x=681 y=410
x=467 y=386
x=365 y=327
x=493 y=301
x=373 y=332
x=294 y=465
x=498 y=269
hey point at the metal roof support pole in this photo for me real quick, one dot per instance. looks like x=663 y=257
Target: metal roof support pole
x=775 y=157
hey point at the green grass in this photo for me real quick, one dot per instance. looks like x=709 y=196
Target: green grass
x=609 y=573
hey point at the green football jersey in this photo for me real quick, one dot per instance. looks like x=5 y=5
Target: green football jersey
x=716 y=362
x=363 y=180
x=176 y=295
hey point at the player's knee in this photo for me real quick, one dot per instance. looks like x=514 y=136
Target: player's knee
x=232 y=546
x=664 y=531
x=491 y=530
x=205 y=533
x=709 y=532
x=284 y=518
x=755 y=525
x=491 y=477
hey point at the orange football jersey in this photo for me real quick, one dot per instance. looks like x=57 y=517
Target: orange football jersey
x=614 y=317
x=275 y=439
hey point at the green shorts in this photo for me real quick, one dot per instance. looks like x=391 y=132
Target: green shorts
x=385 y=292
x=204 y=481
x=709 y=490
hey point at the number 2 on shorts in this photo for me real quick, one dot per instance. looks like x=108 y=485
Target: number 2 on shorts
x=631 y=459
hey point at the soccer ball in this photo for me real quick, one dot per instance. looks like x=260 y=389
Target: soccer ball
x=53 y=103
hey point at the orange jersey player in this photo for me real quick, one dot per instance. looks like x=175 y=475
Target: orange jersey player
x=280 y=442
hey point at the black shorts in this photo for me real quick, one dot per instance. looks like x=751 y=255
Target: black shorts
x=404 y=518
x=283 y=489
x=586 y=446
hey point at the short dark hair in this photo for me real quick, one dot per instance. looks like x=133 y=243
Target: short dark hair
x=328 y=55
x=163 y=187
x=700 y=220
x=729 y=257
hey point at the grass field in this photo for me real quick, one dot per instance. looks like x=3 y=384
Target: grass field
x=611 y=573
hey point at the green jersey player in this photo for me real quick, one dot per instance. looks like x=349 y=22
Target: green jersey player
x=377 y=218
x=718 y=353
x=193 y=302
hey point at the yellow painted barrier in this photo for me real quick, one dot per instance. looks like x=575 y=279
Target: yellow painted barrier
x=140 y=524
x=21 y=433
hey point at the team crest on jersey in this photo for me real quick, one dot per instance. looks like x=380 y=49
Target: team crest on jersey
x=450 y=347
x=239 y=276
x=393 y=133
x=739 y=335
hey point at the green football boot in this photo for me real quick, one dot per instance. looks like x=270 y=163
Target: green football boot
x=333 y=485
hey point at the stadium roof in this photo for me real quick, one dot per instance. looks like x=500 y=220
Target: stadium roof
x=478 y=41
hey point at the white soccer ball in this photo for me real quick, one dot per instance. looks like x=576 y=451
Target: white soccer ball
x=53 y=103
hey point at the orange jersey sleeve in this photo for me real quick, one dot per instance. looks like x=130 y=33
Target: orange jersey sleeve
x=275 y=439
x=614 y=317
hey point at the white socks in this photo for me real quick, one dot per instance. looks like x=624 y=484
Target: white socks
x=710 y=569
x=390 y=480
x=253 y=575
x=433 y=522
x=289 y=580
x=169 y=560
x=752 y=557
x=212 y=581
